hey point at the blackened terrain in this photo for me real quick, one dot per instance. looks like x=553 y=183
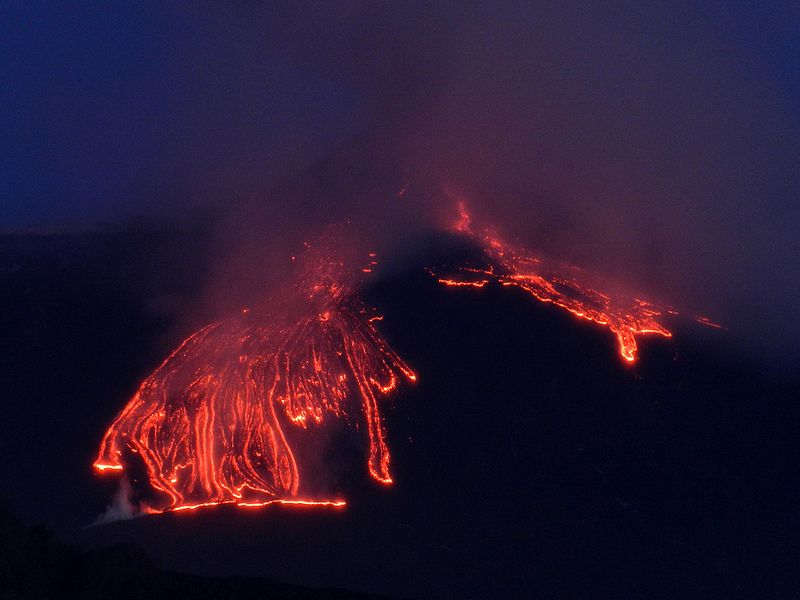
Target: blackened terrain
x=35 y=565
x=528 y=460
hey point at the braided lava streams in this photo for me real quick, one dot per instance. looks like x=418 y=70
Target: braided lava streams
x=215 y=422
x=564 y=286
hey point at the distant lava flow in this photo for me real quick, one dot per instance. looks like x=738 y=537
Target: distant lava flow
x=218 y=420
x=564 y=286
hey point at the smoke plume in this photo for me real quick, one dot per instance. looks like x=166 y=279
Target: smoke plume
x=654 y=144
x=643 y=143
x=122 y=507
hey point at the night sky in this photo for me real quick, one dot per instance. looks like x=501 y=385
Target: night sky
x=112 y=109
x=162 y=162
x=657 y=145
x=117 y=111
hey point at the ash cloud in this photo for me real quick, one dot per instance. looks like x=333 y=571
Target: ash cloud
x=653 y=144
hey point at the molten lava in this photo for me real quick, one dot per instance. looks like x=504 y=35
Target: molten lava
x=211 y=424
x=566 y=287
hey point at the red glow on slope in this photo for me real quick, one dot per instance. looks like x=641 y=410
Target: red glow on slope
x=212 y=423
x=457 y=283
x=298 y=503
x=565 y=287
x=709 y=323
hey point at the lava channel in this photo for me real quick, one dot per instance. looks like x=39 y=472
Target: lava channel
x=567 y=287
x=211 y=424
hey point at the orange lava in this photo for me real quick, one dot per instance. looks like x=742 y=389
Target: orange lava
x=708 y=323
x=299 y=503
x=211 y=424
x=564 y=286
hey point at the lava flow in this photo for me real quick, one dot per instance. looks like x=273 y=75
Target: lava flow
x=217 y=422
x=564 y=286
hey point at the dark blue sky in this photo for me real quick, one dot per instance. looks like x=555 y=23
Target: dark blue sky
x=118 y=109
x=657 y=143
x=112 y=110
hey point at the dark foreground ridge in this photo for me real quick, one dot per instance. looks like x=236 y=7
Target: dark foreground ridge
x=34 y=564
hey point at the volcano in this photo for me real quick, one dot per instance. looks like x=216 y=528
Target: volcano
x=527 y=460
x=209 y=423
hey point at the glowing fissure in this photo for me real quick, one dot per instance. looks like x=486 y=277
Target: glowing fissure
x=563 y=286
x=210 y=423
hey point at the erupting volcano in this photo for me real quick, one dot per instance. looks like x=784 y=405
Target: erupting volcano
x=216 y=422
x=222 y=419
x=564 y=286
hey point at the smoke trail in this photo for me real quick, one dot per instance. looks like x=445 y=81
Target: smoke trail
x=122 y=507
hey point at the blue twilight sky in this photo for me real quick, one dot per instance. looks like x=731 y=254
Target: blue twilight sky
x=113 y=109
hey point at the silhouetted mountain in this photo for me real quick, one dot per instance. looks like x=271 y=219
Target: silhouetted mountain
x=528 y=460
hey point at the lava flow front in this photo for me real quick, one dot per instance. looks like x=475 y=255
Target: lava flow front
x=564 y=286
x=212 y=424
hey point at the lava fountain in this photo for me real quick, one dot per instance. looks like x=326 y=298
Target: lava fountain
x=211 y=424
x=565 y=286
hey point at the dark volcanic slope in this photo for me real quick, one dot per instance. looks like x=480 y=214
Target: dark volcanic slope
x=528 y=459
x=82 y=316
x=35 y=565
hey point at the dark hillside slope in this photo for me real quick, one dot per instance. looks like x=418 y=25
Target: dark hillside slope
x=528 y=460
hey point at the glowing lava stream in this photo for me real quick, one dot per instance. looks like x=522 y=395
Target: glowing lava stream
x=211 y=424
x=563 y=286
